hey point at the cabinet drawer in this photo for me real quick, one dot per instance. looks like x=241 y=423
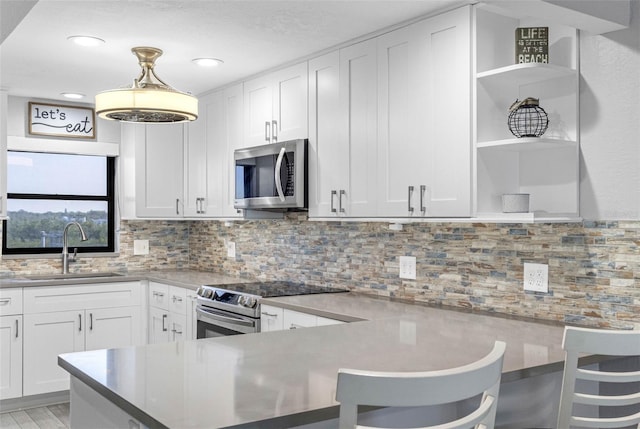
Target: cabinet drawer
x=295 y=320
x=177 y=300
x=10 y=301
x=78 y=297
x=159 y=295
x=271 y=318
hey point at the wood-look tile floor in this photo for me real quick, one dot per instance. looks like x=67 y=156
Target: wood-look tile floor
x=51 y=417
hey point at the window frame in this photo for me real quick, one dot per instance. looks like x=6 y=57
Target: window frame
x=109 y=198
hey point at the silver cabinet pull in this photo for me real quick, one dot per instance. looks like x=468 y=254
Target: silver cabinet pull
x=342 y=192
x=333 y=194
x=295 y=326
x=158 y=294
x=164 y=328
x=79 y=322
x=274 y=130
x=177 y=206
x=423 y=189
x=91 y=321
x=5 y=301
x=264 y=313
x=176 y=298
x=267 y=131
x=17 y=328
x=409 y=207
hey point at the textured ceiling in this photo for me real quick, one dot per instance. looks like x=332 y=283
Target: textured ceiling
x=37 y=60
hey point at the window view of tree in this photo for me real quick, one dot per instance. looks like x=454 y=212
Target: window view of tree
x=47 y=191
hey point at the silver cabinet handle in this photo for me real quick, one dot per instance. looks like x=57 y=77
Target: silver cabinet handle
x=133 y=424
x=177 y=206
x=158 y=294
x=295 y=326
x=5 y=301
x=423 y=189
x=342 y=192
x=264 y=313
x=274 y=130
x=91 y=321
x=175 y=298
x=17 y=328
x=164 y=328
x=267 y=131
x=409 y=207
x=80 y=322
x=333 y=194
x=277 y=174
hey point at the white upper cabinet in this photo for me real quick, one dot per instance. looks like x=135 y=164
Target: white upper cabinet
x=275 y=106
x=159 y=171
x=209 y=178
x=3 y=153
x=342 y=138
x=424 y=118
x=546 y=167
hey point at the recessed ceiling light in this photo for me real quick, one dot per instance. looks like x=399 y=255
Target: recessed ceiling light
x=89 y=41
x=72 y=95
x=207 y=62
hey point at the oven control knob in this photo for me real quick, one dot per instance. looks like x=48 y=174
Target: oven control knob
x=247 y=301
x=200 y=291
x=207 y=293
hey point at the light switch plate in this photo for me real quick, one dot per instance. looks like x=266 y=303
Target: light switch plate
x=140 y=247
x=408 y=267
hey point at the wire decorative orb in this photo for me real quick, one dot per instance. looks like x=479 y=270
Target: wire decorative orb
x=527 y=118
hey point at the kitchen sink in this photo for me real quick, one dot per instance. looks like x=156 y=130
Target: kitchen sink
x=72 y=276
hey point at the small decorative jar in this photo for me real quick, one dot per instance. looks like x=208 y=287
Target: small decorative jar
x=527 y=118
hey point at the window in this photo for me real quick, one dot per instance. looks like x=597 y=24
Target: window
x=46 y=191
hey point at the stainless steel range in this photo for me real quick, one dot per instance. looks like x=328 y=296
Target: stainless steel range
x=234 y=309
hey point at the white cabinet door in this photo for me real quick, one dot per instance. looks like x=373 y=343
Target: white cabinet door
x=204 y=154
x=46 y=336
x=177 y=327
x=328 y=155
x=3 y=152
x=290 y=103
x=445 y=43
x=11 y=357
x=159 y=171
x=159 y=295
x=234 y=139
x=113 y=328
x=275 y=106
x=296 y=320
x=424 y=127
x=271 y=318
x=158 y=325
x=191 y=322
x=357 y=127
x=177 y=300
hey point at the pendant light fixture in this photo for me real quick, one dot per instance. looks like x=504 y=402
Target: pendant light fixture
x=149 y=100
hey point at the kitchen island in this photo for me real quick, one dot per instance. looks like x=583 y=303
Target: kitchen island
x=288 y=378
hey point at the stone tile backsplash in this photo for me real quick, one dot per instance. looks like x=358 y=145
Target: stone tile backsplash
x=594 y=266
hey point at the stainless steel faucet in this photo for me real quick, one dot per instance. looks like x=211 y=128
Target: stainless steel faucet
x=65 y=251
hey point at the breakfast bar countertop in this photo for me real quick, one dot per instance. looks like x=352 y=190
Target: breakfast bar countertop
x=288 y=378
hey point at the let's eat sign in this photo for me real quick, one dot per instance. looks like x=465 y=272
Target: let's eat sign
x=61 y=121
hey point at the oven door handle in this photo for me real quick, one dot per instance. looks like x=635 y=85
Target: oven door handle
x=216 y=316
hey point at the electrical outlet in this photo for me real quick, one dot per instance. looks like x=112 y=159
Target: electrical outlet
x=536 y=277
x=231 y=249
x=140 y=247
x=408 y=267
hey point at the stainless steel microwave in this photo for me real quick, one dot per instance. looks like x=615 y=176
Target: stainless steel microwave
x=272 y=176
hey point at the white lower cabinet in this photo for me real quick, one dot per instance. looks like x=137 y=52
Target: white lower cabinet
x=93 y=317
x=278 y=319
x=11 y=336
x=171 y=313
x=11 y=357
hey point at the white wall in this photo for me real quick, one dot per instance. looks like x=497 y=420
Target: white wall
x=610 y=123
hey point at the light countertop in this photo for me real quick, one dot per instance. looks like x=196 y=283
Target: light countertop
x=285 y=378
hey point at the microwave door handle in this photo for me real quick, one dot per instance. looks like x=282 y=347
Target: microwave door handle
x=277 y=173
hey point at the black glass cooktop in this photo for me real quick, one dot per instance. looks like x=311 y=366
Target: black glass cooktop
x=273 y=289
